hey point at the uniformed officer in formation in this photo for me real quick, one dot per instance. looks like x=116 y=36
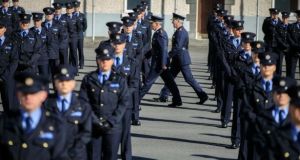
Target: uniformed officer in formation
x=77 y=114
x=31 y=132
x=16 y=10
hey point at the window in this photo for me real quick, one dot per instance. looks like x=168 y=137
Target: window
x=286 y=5
x=132 y=3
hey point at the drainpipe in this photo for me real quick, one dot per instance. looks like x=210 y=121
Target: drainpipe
x=257 y=19
x=93 y=25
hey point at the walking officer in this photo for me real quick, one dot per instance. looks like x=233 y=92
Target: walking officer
x=269 y=28
x=41 y=32
x=31 y=132
x=83 y=22
x=77 y=115
x=16 y=10
x=6 y=15
x=107 y=93
x=113 y=27
x=160 y=62
x=73 y=27
x=64 y=44
x=181 y=59
x=28 y=45
x=126 y=66
x=56 y=36
x=8 y=65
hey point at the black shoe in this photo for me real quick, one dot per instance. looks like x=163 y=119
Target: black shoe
x=136 y=123
x=80 y=67
x=160 y=99
x=77 y=74
x=235 y=146
x=218 y=110
x=224 y=125
x=140 y=108
x=212 y=87
x=203 y=99
x=177 y=104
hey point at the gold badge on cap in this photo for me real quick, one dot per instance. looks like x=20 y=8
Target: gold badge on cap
x=258 y=45
x=239 y=24
x=114 y=25
x=268 y=57
x=117 y=37
x=247 y=36
x=105 y=51
x=29 y=81
x=64 y=71
x=25 y=17
x=282 y=83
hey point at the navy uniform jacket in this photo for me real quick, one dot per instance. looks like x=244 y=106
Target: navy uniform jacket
x=28 y=50
x=8 y=19
x=248 y=78
x=8 y=59
x=78 y=125
x=283 y=38
x=65 y=25
x=15 y=16
x=269 y=30
x=243 y=67
x=180 y=46
x=73 y=26
x=47 y=141
x=57 y=36
x=109 y=101
x=294 y=32
x=159 y=50
x=83 y=22
x=44 y=38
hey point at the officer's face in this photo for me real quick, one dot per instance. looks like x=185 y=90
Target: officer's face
x=274 y=16
x=2 y=31
x=70 y=10
x=285 y=20
x=281 y=99
x=267 y=70
x=119 y=48
x=140 y=16
x=128 y=29
x=16 y=4
x=37 y=23
x=65 y=87
x=175 y=23
x=255 y=58
x=32 y=101
x=246 y=46
x=24 y=26
x=5 y=4
x=77 y=9
x=154 y=25
x=58 y=11
x=105 y=65
x=295 y=114
x=49 y=17
x=237 y=32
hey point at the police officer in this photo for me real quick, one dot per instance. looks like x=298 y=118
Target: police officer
x=159 y=63
x=31 y=132
x=83 y=22
x=73 y=27
x=8 y=65
x=66 y=105
x=269 y=28
x=28 y=45
x=294 y=54
x=64 y=45
x=283 y=41
x=145 y=20
x=113 y=27
x=56 y=37
x=134 y=41
x=126 y=66
x=258 y=98
x=41 y=32
x=6 y=16
x=181 y=59
x=16 y=10
x=107 y=93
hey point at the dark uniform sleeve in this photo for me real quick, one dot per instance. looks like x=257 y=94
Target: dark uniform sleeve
x=83 y=91
x=13 y=64
x=163 y=45
x=84 y=135
x=84 y=23
x=123 y=103
x=36 y=50
x=179 y=43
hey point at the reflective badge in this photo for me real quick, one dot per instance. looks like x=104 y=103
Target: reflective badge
x=76 y=114
x=115 y=85
x=46 y=135
x=127 y=68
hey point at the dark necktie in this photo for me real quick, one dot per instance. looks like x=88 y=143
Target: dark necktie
x=4 y=11
x=56 y=18
x=0 y=42
x=298 y=138
x=256 y=70
x=104 y=78
x=117 y=61
x=63 y=105
x=37 y=31
x=48 y=25
x=268 y=87
x=237 y=42
x=127 y=38
x=281 y=116
x=28 y=121
x=23 y=34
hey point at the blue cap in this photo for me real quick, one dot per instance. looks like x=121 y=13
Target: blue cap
x=37 y=16
x=65 y=73
x=133 y=15
x=248 y=37
x=177 y=16
x=128 y=21
x=274 y=11
x=268 y=58
x=48 y=10
x=25 y=18
x=118 y=38
x=105 y=52
x=282 y=84
x=221 y=12
x=258 y=47
x=69 y=5
x=28 y=82
x=76 y=4
x=285 y=14
x=57 y=5
x=238 y=25
x=154 y=18
x=114 y=27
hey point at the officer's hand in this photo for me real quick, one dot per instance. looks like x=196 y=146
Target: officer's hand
x=164 y=67
x=105 y=126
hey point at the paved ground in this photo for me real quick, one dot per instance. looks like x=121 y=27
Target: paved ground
x=190 y=132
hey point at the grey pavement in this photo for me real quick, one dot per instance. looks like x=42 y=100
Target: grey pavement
x=189 y=132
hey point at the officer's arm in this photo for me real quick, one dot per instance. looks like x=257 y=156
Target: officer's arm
x=163 y=46
x=265 y=26
x=134 y=76
x=220 y=54
x=292 y=42
x=179 y=39
x=59 y=151
x=13 y=63
x=84 y=23
x=123 y=103
x=63 y=35
x=36 y=50
x=85 y=129
x=83 y=93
